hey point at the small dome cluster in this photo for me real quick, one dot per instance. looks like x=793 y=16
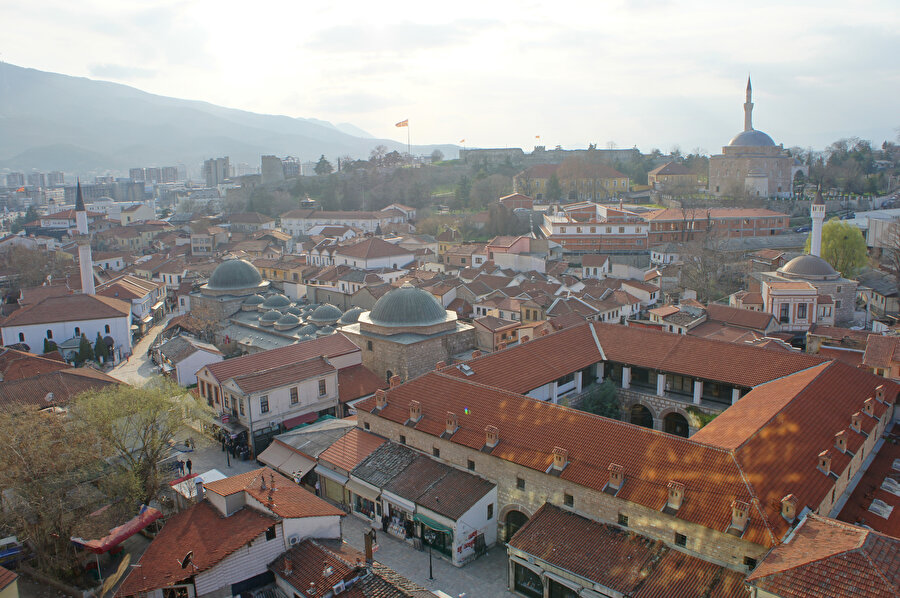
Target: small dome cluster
x=279 y=312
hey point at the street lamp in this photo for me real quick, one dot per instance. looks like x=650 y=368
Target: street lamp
x=429 y=539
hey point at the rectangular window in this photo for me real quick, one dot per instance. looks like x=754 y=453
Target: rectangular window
x=623 y=520
x=680 y=540
x=436 y=451
x=322 y=388
x=263 y=404
x=240 y=403
x=295 y=396
x=785 y=315
x=520 y=483
x=270 y=533
x=568 y=500
x=801 y=311
x=402 y=439
x=750 y=563
x=366 y=425
x=471 y=465
x=369 y=345
x=490 y=511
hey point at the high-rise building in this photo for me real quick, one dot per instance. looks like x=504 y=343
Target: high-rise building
x=291 y=167
x=272 y=169
x=136 y=174
x=37 y=180
x=15 y=180
x=168 y=174
x=216 y=171
x=56 y=178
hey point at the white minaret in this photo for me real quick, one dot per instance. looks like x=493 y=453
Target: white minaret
x=817 y=211
x=85 y=261
x=748 y=108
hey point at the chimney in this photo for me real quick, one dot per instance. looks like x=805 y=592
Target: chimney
x=440 y=365
x=198 y=486
x=789 y=507
x=491 y=436
x=262 y=482
x=476 y=353
x=415 y=411
x=452 y=424
x=560 y=459
x=676 y=495
x=380 y=399
x=869 y=407
x=856 y=422
x=879 y=393
x=395 y=381
x=525 y=339
x=825 y=462
x=501 y=345
x=543 y=332
x=840 y=441
x=616 y=476
x=740 y=514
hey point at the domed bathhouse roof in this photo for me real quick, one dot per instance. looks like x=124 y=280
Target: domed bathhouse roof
x=286 y=322
x=276 y=301
x=407 y=306
x=751 y=138
x=809 y=267
x=294 y=310
x=351 y=316
x=325 y=314
x=252 y=303
x=325 y=331
x=308 y=330
x=269 y=318
x=235 y=277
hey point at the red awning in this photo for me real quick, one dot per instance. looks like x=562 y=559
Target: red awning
x=183 y=478
x=300 y=419
x=117 y=535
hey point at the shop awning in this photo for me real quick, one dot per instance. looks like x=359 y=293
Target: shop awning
x=156 y=306
x=286 y=461
x=147 y=319
x=429 y=522
x=117 y=535
x=306 y=418
x=362 y=489
x=397 y=501
x=331 y=475
x=229 y=425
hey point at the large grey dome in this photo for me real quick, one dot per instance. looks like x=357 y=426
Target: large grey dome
x=407 y=306
x=276 y=301
x=752 y=138
x=808 y=266
x=325 y=313
x=234 y=275
x=351 y=316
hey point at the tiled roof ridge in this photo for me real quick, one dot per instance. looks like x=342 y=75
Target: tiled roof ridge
x=825 y=365
x=332 y=553
x=278 y=367
x=578 y=411
x=754 y=499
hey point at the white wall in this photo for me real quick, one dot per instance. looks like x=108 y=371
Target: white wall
x=187 y=370
x=328 y=528
x=475 y=519
x=119 y=330
x=246 y=562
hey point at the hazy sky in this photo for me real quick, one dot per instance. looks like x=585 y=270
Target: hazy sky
x=496 y=73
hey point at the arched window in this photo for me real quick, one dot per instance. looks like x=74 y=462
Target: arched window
x=106 y=328
x=77 y=331
x=49 y=334
x=21 y=337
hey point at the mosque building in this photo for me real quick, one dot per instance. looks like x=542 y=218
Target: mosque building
x=752 y=161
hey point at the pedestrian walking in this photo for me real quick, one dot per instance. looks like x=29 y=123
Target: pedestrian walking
x=189 y=466
x=180 y=467
x=318 y=488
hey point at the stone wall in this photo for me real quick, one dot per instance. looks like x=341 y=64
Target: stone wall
x=660 y=407
x=214 y=309
x=414 y=359
x=323 y=295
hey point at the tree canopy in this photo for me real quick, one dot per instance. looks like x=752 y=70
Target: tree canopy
x=323 y=166
x=843 y=246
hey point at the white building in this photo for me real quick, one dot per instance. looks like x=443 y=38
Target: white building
x=182 y=356
x=299 y=222
x=371 y=254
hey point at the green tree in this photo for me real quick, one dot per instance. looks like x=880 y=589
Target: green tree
x=49 y=346
x=437 y=156
x=323 y=166
x=101 y=349
x=85 y=351
x=843 y=246
x=31 y=214
x=554 y=189
x=602 y=400
x=136 y=427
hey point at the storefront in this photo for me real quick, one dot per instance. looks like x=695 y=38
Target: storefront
x=441 y=536
x=331 y=484
x=364 y=499
x=397 y=517
x=527 y=582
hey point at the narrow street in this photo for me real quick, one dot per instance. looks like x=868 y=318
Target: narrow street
x=139 y=368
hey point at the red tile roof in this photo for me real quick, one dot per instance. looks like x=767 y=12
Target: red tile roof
x=52 y=388
x=872 y=487
x=882 y=351
x=200 y=529
x=735 y=316
x=676 y=214
x=851 y=357
x=357 y=381
x=351 y=448
x=16 y=365
x=670 y=168
x=327 y=346
x=834 y=559
x=621 y=560
x=6 y=577
x=373 y=248
x=288 y=499
x=283 y=375
x=68 y=308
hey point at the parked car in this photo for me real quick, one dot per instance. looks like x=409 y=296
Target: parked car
x=802 y=229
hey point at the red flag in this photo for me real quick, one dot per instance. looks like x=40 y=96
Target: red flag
x=22 y=189
x=403 y=123
x=462 y=140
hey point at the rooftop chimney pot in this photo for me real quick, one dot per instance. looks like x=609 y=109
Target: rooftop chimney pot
x=840 y=441
x=825 y=462
x=740 y=514
x=789 y=507
x=869 y=407
x=560 y=458
x=452 y=423
x=879 y=393
x=380 y=399
x=856 y=422
x=492 y=436
x=440 y=365
x=395 y=381
x=616 y=475
x=415 y=411
x=476 y=353
x=676 y=495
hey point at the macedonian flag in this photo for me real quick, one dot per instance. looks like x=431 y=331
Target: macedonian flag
x=403 y=123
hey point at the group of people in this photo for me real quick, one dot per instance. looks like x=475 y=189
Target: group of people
x=182 y=465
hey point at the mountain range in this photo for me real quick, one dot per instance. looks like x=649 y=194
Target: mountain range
x=50 y=121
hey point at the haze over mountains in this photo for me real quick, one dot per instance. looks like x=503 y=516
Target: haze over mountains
x=50 y=121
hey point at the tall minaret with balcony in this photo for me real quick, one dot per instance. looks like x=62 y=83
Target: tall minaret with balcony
x=748 y=108
x=817 y=211
x=85 y=261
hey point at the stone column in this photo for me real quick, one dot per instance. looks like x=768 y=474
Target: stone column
x=698 y=391
x=553 y=392
x=735 y=395
x=600 y=370
x=579 y=383
x=661 y=384
x=626 y=376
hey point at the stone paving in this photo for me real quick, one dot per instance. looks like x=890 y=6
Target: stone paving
x=139 y=367
x=484 y=577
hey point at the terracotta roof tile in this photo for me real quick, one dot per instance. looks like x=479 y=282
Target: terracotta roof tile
x=351 y=448
x=63 y=309
x=373 y=248
x=16 y=365
x=288 y=499
x=357 y=381
x=283 y=375
x=881 y=351
x=6 y=577
x=745 y=318
x=872 y=487
x=52 y=388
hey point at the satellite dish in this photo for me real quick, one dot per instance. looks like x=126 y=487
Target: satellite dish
x=187 y=560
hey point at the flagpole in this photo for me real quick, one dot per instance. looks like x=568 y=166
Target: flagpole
x=407 y=142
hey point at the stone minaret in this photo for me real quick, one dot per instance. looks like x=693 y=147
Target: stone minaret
x=817 y=211
x=748 y=108
x=85 y=261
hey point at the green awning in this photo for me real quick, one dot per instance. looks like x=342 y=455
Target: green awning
x=439 y=527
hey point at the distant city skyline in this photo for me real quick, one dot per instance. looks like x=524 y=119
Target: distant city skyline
x=639 y=73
